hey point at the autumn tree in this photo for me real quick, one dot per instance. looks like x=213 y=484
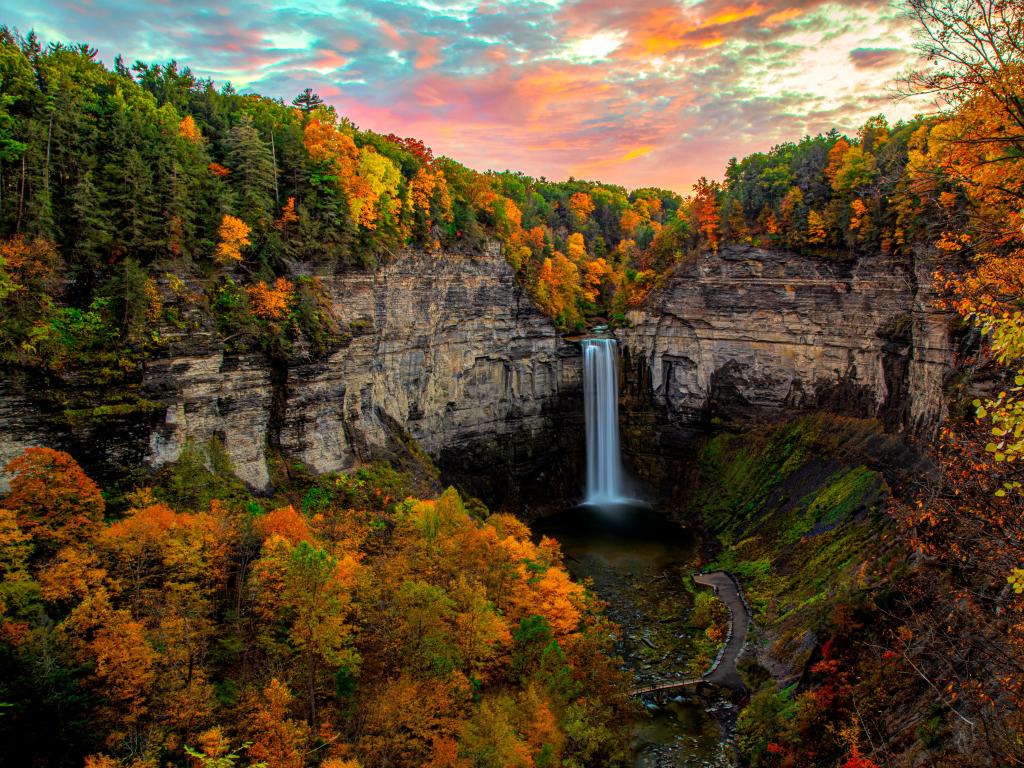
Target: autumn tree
x=737 y=224
x=816 y=229
x=976 y=52
x=188 y=130
x=975 y=49
x=56 y=503
x=582 y=206
x=271 y=303
x=18 y=591
x=234 y=236
x=836 y=158
x=629 y=221
x=287 y=217
x=312 y=588
x=855 y=172
x=558 y=286
x=576 y=249
x=791 y=217
x=277 y=739
x=706 y=211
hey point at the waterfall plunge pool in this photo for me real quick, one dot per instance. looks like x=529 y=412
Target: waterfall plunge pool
x=640 y=563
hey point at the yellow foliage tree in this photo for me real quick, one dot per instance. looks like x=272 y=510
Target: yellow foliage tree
x=234 y=236
x=816 y=230
x=188 y=130
x=576 y=248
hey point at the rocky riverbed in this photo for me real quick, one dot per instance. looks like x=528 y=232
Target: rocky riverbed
x=641 y=565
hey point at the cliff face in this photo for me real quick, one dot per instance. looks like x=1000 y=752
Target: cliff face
x=446 y=350
x=750 y=330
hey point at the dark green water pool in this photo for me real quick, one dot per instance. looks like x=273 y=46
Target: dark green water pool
x=640 y=563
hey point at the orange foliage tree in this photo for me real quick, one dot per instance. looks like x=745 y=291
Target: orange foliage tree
x=277 y=739
x=188 y=130
x=271 y=303
x=55 y=501
x=581 y=205
x=288 y=215
x=707 y=215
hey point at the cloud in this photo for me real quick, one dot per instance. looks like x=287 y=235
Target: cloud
x=876 y=58
x=652 y=92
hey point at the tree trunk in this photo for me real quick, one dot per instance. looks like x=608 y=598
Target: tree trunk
x=21 y=198
x=273 y=155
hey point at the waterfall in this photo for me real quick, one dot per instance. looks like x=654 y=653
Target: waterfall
x=601 y=411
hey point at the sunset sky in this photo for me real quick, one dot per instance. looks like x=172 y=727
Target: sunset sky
x=635 y=93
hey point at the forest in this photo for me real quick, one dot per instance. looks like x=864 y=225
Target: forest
x=370 y=618
x=345 y=622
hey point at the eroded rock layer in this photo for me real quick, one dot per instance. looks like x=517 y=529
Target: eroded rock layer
x=445 y=350
x=749 y=330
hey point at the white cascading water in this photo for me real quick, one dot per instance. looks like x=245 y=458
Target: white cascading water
x=601 y=411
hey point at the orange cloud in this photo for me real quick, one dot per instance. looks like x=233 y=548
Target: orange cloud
x=638 y=152
x=731 y=15
x=781 y=17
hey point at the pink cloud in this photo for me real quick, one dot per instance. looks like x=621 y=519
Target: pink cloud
x=329 y=60
x=391 y=34
x=428 y=52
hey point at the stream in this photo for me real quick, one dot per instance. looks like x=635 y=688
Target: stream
x=640 y=563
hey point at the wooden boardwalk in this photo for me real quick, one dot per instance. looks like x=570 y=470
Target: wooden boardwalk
x=722 y=671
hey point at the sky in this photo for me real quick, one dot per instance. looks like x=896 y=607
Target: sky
x=641 y=93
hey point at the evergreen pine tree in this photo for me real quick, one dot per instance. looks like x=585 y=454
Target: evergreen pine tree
x=252 y=171
x=307 y=101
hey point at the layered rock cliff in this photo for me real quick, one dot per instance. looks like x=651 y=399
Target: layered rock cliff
x=445 y=350
x=748 y=331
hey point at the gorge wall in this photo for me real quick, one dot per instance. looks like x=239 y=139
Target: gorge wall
x=447 y=350
x=444 y=349
x=750 y=332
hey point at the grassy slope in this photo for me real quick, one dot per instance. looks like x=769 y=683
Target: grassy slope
x=797 y=509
